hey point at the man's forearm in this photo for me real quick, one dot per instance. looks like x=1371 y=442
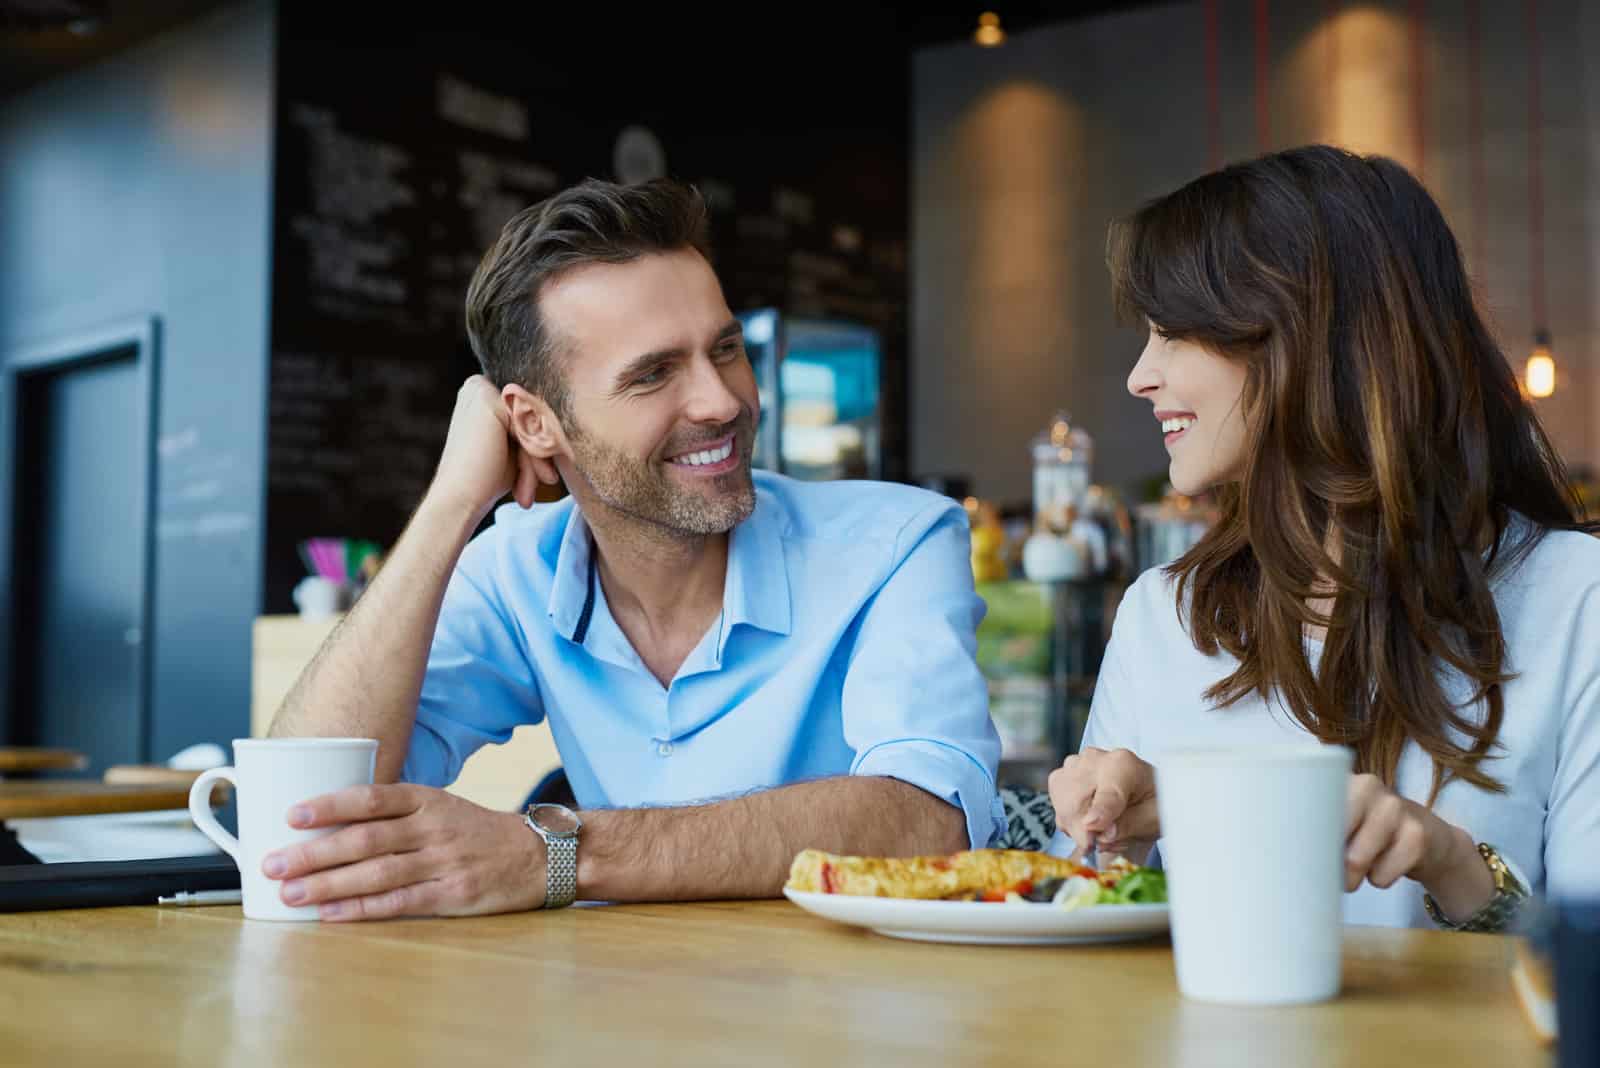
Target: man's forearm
x=743 y=847
x=366 y=678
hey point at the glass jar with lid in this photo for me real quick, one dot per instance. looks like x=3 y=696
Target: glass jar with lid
x=1062 y=456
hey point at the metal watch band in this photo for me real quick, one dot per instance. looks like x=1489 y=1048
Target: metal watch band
x=561 y=855
x=1497 y=913
x=561 y=871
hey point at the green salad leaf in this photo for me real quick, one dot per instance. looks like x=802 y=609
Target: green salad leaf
x=1143 y=887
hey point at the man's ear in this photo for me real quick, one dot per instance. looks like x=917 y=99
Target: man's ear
x=537 y=430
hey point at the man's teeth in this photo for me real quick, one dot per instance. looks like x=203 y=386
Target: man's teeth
x=1169 y=426
x=709 y=456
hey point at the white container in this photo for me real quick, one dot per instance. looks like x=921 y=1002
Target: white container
x=1062 y=458
x=1253 y=840
x=1048 y=557
x=318 y=597
x=271 y=776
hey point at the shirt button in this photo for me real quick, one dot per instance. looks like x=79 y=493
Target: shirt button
x=664 y=749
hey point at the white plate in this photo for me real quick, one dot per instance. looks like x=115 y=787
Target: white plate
x=985 y=922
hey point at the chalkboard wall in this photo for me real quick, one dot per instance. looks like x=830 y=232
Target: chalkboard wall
x=401 y=151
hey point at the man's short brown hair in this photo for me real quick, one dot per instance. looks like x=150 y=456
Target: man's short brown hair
x=592 y=222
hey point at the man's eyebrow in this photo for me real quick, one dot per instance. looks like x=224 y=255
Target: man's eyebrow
x=640 y=364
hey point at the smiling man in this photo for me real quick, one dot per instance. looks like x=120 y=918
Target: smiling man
x=735 y=666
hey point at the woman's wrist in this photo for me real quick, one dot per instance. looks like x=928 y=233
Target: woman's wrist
x=1460 y=883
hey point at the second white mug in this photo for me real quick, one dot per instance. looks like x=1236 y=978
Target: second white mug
x=1253 y=840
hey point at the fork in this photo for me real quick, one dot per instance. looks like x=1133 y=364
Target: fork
x=1089 y=857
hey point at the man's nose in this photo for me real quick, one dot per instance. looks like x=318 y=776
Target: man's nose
x=710 y=400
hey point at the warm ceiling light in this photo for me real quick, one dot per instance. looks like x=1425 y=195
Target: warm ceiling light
x=988 y=34
x=1539 y=377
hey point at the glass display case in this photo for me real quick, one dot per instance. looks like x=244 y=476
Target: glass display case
x=820 y=395
x=1040 y=646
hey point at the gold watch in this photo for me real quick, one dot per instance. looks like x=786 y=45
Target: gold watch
x=1496 y=914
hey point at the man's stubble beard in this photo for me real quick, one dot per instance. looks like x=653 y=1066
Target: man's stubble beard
x=642 y=490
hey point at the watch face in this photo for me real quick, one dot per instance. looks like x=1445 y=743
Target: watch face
x=556 y=819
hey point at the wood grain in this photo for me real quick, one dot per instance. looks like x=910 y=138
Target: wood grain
x=18 y=759
x=72 y=797
x=746 y=983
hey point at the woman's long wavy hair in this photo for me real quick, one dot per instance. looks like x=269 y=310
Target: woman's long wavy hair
x=1387 y=448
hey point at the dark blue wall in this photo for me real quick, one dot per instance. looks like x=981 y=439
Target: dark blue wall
x=142 y=188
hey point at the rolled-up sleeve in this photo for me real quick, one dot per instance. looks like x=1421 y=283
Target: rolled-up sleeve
x=915 y=704
x=479 y=685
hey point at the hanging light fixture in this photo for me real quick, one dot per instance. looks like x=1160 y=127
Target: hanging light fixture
x=989 y=34
x=1263 y=35
x=1539 y=377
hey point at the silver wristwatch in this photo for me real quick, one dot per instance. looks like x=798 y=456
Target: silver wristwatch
x=558 y=825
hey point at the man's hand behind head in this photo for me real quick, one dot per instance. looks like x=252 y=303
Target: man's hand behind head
x=482 y=462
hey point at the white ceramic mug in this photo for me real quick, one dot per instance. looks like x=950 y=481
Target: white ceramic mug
x=1253 y=840
x=271 y=776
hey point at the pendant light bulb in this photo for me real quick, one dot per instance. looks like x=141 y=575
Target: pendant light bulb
x=1539 y=377
x=989 y=34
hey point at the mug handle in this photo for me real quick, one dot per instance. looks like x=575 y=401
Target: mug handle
x=200 y=809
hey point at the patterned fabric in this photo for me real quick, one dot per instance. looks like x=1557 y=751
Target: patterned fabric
x=1030 y=819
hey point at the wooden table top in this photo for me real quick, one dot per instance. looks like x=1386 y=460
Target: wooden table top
x=15 y=759
x=148 y=774
x=719 y=983
x=87 y=797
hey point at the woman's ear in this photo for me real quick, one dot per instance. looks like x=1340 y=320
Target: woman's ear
x=537 y=431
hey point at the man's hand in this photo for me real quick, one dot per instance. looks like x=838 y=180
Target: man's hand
x=482 y=462
x=409 y=851
x=1107 y=800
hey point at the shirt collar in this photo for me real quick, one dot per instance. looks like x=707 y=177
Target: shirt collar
x=756 y=590
x=571 y=591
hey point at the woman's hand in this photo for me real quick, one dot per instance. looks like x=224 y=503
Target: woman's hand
x=1107 y=801
x=1388 y=837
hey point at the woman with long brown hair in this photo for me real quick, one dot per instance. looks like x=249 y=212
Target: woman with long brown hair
x=1399 y=566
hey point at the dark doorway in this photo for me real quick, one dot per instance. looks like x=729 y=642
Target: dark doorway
x=80 y=476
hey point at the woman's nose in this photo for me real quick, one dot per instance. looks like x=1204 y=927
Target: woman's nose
x=1145 y=378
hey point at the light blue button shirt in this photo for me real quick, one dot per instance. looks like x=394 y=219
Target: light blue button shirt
x=845 y=646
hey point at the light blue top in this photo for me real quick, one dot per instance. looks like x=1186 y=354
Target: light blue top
x=845 y=646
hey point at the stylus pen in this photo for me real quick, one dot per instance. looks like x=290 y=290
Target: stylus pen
x=203 y=897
